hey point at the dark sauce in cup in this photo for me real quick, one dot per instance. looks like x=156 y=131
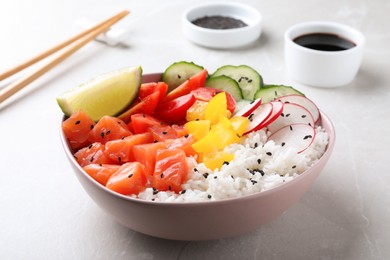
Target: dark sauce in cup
x=324 y=42
x=219 y=22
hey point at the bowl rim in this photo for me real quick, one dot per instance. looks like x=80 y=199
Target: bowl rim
x=331 y=143
x=256 y=22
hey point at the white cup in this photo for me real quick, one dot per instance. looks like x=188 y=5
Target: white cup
x=321 y=68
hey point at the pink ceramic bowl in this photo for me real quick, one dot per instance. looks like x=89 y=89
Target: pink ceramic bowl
x=201 y=220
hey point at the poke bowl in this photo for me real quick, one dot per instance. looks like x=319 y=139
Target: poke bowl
x=203 y=219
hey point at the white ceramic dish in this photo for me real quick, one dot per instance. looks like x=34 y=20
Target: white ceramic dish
x=201 y=220
x=323 y=68
x=227 y=38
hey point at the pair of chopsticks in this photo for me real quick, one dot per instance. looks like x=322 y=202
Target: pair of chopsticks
x=78 y=41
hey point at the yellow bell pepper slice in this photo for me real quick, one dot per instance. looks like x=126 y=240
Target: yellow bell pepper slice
x=198 y=129
x=197 y=111
x=239 y=124
x=224 y=136
x=207 y=144
x=215 y=160
x=216 y=107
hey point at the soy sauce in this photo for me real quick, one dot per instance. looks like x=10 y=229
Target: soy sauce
x=324 y=42
x=219 y=22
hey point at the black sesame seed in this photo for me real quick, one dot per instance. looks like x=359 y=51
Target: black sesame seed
x=253 y=182
x=303 y=116
x=283 y=143
x=261 y=172
x=102 y=134
x=186 y=136
x=169 y=187
x=307 y=136
x=161 y=175
x=77 y=122
x=287 y=115
x=100 y=164
x=291 y=128
x=91 y=127
x=256 y=145
x=90 y=146
x=119 y=159
x=123 y=137
x=164 y=132
x=209 y=196
x=276 y=93
x=108 y=132
x=249 y=81
x=183 y=191
x=155 y=191
x=91 y=159
x=215 y=177
x=130 y=175
x=155 y=141
x=257 y=170
x=196 y=170
x=225 y=163
x=178 y=75
x=294 y=166
x=268 y=153
x=205 y=175
x=258 y=161
x=282 y=114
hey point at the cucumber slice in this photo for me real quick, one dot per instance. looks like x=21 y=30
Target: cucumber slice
x=248 y=79
x=225 y=84
x=179 y=72
x=270 y=92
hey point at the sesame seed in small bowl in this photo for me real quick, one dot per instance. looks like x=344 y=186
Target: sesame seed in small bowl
x=222 y=25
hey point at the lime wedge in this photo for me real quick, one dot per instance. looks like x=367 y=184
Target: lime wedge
x=108 y=94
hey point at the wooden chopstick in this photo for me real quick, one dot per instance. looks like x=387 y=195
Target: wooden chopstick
x=83 y=38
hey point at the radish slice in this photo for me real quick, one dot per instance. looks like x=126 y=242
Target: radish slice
x=299 y=136
x=258 y=116
x=248 y=109
x=292 y=114
x=302 y=101
x=277 y=109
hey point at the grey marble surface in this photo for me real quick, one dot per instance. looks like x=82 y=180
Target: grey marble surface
x=45 y=214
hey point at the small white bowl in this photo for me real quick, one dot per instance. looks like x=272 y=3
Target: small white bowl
x=222 y=38
x=320 y=68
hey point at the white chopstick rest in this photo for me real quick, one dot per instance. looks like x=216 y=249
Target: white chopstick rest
x=113 y=37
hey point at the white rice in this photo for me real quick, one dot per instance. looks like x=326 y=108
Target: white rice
x=244 y=174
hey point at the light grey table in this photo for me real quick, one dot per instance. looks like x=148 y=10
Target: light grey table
x=44 y=212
